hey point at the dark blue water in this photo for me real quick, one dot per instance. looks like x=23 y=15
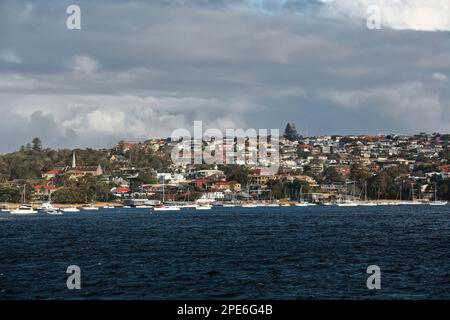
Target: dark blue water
x=254 y=253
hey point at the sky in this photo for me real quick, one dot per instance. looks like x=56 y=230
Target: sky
x=141 y=69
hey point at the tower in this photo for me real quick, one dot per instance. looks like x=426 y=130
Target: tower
x=74 y=163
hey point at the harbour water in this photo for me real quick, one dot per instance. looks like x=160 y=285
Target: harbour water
x=229 y=253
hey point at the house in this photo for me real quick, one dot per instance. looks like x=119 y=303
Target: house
x=51 y=174
x=43 y=190
x=228 y=185
x=120 y=191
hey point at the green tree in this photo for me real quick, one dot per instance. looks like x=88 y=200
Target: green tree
x=36 y=144
x=290 y=132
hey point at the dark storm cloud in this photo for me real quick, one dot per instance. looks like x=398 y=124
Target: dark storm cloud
x=141 y=69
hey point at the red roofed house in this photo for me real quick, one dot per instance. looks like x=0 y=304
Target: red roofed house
x=119 y=192
x=51 y=174
x=44 y=190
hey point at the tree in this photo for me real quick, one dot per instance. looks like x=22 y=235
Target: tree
x=237 y=173
x=36 y=144
x=290 y=132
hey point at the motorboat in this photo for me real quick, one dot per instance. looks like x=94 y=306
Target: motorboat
x=88 y=207
x=438 y=203
x=166 y=208
x=24 y=209
x=301 y=204
x=70 y=209
x=203 y=207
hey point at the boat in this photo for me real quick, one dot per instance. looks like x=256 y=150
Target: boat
x=5 y=208
x=70 y=209
x=166 y=208
x=347 y=204
x=436 y=202
x=203 y=207
x=108 y=207
x=272 y=205
x=88 y=207
x=368 y=204
x=301 y=204
x=48 y=208
x=24 y=209
x=54 y=212
x=228 y=205
x=249 y=205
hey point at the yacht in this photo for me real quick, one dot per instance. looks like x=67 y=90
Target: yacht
x=24 y=209
x=108 y=207
x=88 y=207
x=5 y=208
x=48 y=208
x=228 y=205
x=272 y=205
x=368 y=204
x=347 y=204
x=70 y=209
x=301 y=204
x=188 y=206
x=166 y=208
x=249 y=205
x=203 y=207
x=436 y=202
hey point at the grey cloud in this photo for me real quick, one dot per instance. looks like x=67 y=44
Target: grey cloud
x=150 y=67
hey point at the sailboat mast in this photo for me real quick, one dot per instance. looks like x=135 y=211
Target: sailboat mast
x=164 y=178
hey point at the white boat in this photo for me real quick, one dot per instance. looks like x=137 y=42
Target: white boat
x=166 y=208
x=108 y=207
x=54 y=212
x=24 y=209
x=301 y=204
x=347 y=204
x=126 y=207
x=272 y=205
x=249 y=205
x=4 y=208
x=48 y=207
x=69 y=209
x=285 y=205
x=144 y=207
x=88 y=207
x=188 y=206
x=203 y=207
x=368 y=204
x=228 y=205
x=438 y=203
